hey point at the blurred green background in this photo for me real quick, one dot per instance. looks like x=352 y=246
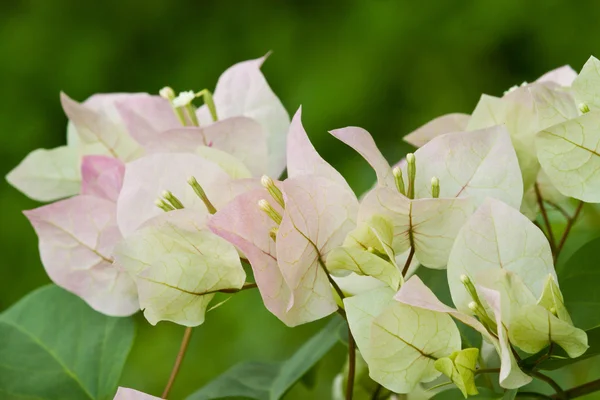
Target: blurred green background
x=388 y=66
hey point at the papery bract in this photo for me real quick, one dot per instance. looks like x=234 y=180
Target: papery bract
x=399 y=342
x=47 y=175
x=368 y=251
x=242 y=138
x=178 y=266
x=320 y=209
x=246 y=226
x=98 y=122
x=102 y=177
x=132 y=394
x=476 y=164
x=563 y=76
x=242 y=90
x=568 y=153
x=498 y=236
x=455 y=122
x=587 y=84
x=318 y=215
x=146 y=178
x=77 y=237
x=428 y=225
x=415 y=293
x=460 y=368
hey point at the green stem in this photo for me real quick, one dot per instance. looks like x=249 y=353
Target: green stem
x=560 y=393
x=549 y=232
x=351 y=365
x=582 y=390
x=180 y=355
x=247 y=285
x=533 y=395
x=408 y=261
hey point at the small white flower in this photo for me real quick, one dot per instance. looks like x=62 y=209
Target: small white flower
x=184 y=99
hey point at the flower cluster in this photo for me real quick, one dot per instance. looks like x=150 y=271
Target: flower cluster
x=166 y=201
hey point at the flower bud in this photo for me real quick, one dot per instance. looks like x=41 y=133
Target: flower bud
x=480 y=313
x=399 y=180
x=270 y=211
x=584 y=108
x=167 y=93
x=201 y=194
x=273 y=190
x=435 y=187
x=160 y=203
x=412 y=173
x=172 y=199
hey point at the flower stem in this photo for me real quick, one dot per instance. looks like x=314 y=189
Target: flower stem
x=570 y=222
x=532 y=395
x=182 y=349
x=549 y=233
x=351 y=365
x=247 y=285
x=408 y=261
x=582 y=390
x=560 y=393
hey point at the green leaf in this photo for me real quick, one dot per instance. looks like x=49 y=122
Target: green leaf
x=578 y=280
x=271 y=380
x=54 y=346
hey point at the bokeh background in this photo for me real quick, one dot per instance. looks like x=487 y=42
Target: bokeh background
x=388 y=66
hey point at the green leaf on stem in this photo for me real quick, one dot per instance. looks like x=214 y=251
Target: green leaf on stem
x=54 y=346
x=578 y=280
x=271 y=380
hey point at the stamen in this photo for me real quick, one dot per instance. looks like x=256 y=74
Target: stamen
x=273 y=190
x=208 y=100
x=160 y=203
x=201 y=194
x=169 y=94
x=480 y=313
x=270 y=211
x=584 y=108
x=435 y=187
x=412 y=173
x=399 y=180
x=172 y=199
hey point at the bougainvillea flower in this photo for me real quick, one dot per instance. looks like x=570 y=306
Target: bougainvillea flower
x=524 y=110
x=464 y=163
x=77 y=237
x=399 y=342
x=121 y=125
x=95 y=127
x=460 y=368
x=416 y=294
x=179 y=265
x=318 y=211
x=132 y=394
x=501 y=250
x=148 y=177
x=367 y=250
x=568 y=151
